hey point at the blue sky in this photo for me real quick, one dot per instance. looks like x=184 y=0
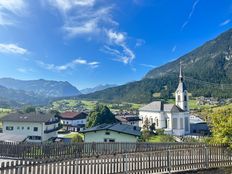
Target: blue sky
x=91 y=42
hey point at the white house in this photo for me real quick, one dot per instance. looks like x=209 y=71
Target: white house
x=36 y=127
x=128 y=119
x=112 y=133
x=73 y=121
x=174 y=119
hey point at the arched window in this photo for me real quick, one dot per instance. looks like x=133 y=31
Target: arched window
x=178 y=99
x=185 y=97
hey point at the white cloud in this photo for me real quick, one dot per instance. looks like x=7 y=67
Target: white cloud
x=9 y=9
x=118 y=47
x=66 y=5
x=225 y=22
x=190 y=14
x=24 y=70
x=148 y=65
x=93 y=19
x=12 y=49
x=69 y=65
x=174 y=48
x=139 y=42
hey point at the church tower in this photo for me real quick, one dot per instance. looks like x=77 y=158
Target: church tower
x=182 y=93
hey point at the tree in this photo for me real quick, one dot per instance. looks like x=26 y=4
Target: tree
x=145 y=135
x=101 y=114
x=77 y=138
x=29 y=109
x=221 y=123
x=152 y=127
x=146 y=125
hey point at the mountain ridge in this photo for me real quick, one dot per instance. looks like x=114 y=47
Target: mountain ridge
x=97 y=88
x=47 y=88
x=210 y=62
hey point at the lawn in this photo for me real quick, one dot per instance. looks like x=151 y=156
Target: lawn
x=161 y=139
x=155 y=139
x=73 y=134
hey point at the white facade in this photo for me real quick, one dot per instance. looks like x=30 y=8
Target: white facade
x=34 y=131
x=172 y=123
x=73 y=122
x=174 y=119
x=109 y=136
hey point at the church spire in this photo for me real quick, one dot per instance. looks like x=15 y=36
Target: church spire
x=181 y=75
x=181 y=93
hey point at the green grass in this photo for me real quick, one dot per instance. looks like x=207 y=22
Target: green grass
x=3 y=112
x=73 y=134
x=161 y=139
x=155 y=139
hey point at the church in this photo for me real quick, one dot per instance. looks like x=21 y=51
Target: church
x=173 y=118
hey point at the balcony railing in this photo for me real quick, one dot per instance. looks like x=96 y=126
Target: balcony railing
x=52 y=122
x=54 y=129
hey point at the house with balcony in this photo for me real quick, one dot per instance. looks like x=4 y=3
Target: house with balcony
x=34 y=126
x=73 y=121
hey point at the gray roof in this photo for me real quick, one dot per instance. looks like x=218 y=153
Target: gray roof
x=158 y=106
x=12 y=137
x=28 y=117
x=117 y=127
x=153 y=106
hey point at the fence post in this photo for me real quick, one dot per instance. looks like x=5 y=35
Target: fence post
x=125 y=163
x=169 y=160
x=206 y=157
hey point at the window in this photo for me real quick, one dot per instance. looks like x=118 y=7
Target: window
x=35 y=129
x=22 y=127
x=185 y=97
x=107 y=133
x=186 y=124
x=105 y=140
x=34 y=137
x=18 y=127
x=9 y=128
x=28 y=128
x=178 y=98
x=174 y=123
x=181 y=123
x=157 y=122
x=111 y=140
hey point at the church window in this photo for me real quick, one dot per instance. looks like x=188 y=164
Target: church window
x=178 y=98
x=166 y=123
x=174 y=123
x=157 y=122
x=185 y=97
x=186 y=124
x=181 y=123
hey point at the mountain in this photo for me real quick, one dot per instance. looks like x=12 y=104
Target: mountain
x=16 y=98
x=97 y=88
x=207 y=71
x=45 y=88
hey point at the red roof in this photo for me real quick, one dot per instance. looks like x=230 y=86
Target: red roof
x=72 y=115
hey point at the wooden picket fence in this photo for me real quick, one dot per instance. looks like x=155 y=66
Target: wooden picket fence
x=160 y=161
x=27 y=151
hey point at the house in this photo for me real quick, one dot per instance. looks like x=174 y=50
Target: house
x=73 y=121
x=198 y=126
x=116 y=132
x=128 y=119
x=173 y=118
x=35 y=126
